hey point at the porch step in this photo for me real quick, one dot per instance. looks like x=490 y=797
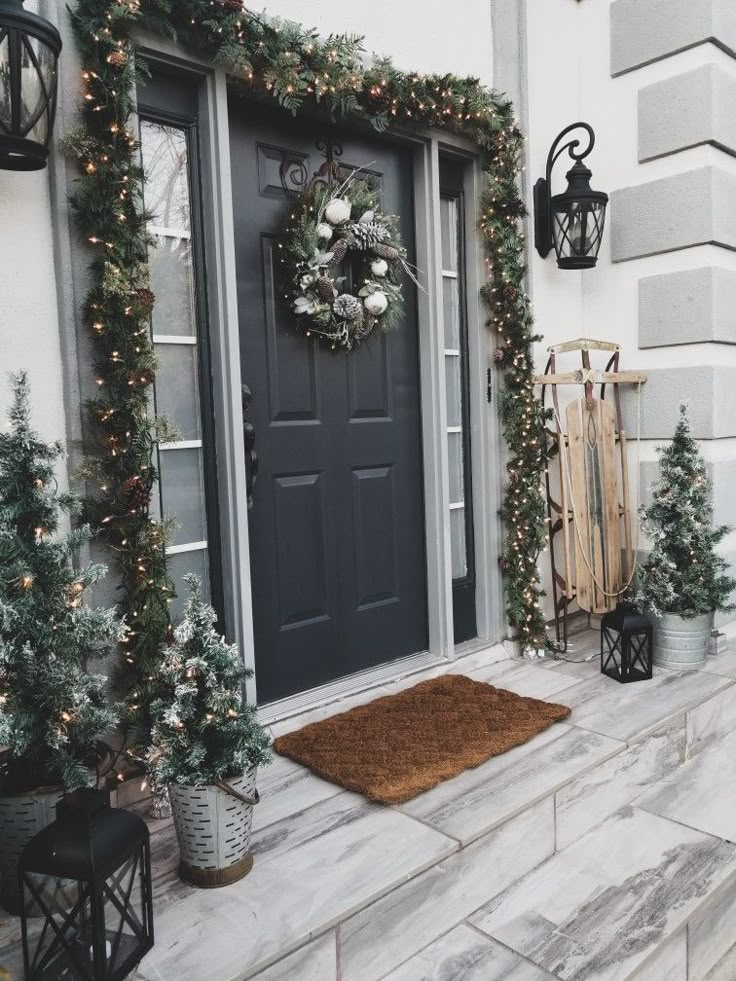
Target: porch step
x=648 y=894
x=340 y=880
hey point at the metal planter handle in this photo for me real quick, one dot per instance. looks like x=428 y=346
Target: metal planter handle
x=251 y=801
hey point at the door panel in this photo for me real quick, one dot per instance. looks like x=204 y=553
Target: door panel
x=337 y=524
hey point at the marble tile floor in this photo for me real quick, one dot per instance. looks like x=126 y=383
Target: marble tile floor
x=536 y=865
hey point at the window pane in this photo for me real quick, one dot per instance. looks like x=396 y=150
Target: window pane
x=172 y=282
x=457 y=482
x=182 y=493
x=166 y=164
x=451 y=305
x=457 y=544
x=181 y=565
x=454 y=391
x=177 y=388
x=449 y=225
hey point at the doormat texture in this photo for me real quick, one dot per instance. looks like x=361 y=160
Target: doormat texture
x=399 y=746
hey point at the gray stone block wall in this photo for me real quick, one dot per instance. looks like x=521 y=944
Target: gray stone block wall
x=643 y=31
x=679 y=212
x=689 y=307
x=708 y=390
x=687 y=110
x=685 y=302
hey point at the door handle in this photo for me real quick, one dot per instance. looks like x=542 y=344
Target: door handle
x=249 y=442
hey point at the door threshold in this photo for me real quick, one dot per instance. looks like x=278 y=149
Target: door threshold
x=354 y=684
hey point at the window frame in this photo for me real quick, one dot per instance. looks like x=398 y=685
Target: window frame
x=188 y=123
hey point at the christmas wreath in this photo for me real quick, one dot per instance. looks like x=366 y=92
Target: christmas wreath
x=343 y=258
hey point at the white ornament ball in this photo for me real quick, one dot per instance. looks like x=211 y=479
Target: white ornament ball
x=337 y=211
x=379 y=267
x=324 y=231
x=376 y=303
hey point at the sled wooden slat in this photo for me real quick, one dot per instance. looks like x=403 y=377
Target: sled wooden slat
x=594 y=480
x=601 y=378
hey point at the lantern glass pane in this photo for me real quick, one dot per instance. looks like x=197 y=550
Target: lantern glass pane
x=38 y=64
x=125 y=930
x=578 y=229
x=60 y=927
x=5 y=106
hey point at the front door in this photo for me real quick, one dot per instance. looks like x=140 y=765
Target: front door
x=337 y=519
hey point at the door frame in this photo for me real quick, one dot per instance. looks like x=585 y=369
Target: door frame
x=486 y=443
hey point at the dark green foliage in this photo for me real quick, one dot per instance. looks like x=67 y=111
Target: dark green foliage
x=684 y=574
x=51 y=709
x=274 y=59
x=202 y=731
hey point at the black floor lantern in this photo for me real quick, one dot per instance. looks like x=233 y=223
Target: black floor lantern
x=626 y=644
x=88 y=875
x=29 y=54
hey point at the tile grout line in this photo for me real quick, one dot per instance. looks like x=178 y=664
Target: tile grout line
x=517 y=953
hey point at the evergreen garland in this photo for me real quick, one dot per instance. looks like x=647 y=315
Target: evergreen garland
x=202 y=731
x=52 y=710
x=272 y=58
x=683 y=572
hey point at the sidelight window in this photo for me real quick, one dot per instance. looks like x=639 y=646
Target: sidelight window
x=177 y=326
x=458 y=416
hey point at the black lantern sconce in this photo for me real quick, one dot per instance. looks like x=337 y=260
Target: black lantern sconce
x=626 y=644
x=572 y=222
x=29 y=54
x=86 y=889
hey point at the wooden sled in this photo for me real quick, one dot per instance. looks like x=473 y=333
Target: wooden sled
x=590 y=525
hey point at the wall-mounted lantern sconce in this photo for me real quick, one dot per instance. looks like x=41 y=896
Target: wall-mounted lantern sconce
x=29 y=53
x=572 y=222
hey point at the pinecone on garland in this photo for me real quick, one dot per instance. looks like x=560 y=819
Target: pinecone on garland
x=145 y=299
x=387 y=252
x=118 y=59
x=510 y=292
x=339 y=251
x=236 y=5
x=135 y=491
x=326 y=289
x=368 y=234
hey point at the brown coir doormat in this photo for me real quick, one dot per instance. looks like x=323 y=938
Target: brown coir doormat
x=396 y=747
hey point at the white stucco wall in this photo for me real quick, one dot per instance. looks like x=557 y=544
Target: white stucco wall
x=423 y=35
x=29 y=333
x=29 y=328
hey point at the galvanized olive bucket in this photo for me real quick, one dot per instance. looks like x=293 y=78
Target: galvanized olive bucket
x=680 y=643
x=213 y=826
x=22 y=816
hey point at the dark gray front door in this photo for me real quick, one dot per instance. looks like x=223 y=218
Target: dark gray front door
x=337 y=523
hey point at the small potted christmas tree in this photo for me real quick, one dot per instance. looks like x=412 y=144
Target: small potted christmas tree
x=684 y=580
x=206 y=746
x=52 y=710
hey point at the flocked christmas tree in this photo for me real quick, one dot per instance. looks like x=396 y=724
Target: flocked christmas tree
x=52 y=710
x=203 y=730
x=684 y=574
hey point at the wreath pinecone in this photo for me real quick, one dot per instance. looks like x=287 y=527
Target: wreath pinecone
x=368 y=234
x=387 y=252
x=339 y=251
